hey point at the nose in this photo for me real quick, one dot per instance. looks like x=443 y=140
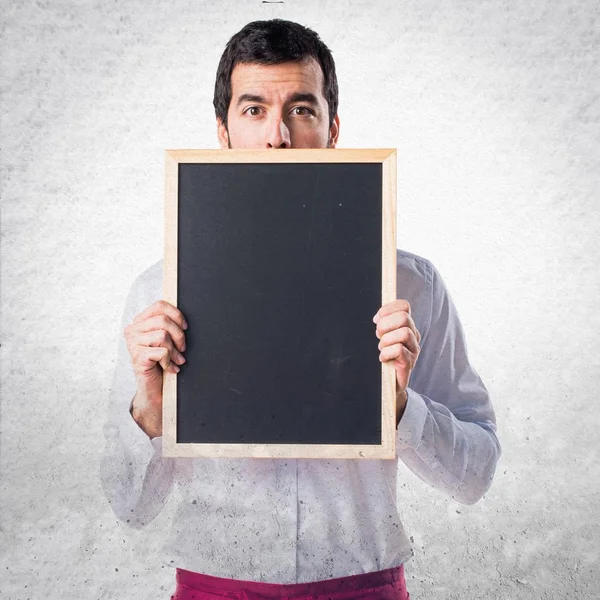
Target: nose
x=278 y=134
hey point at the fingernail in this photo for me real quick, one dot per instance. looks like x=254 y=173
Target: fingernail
x=176 y=368
x=185 y=325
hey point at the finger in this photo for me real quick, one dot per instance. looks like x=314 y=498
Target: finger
x=398 y=352
x=158 y=322
x=395 y=321
x=161 y=338
x=402 y=337
x=162 y=307
x=392 y=307
x=145 y=359
x=398 y=334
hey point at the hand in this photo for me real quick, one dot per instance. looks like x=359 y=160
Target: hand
x=155 y=340
x=398 y=342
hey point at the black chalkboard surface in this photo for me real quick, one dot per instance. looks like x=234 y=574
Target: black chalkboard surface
x=279 y=259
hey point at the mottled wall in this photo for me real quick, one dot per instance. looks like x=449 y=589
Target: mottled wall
x=494 y=109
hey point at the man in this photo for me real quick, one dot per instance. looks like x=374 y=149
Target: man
x=255 y=528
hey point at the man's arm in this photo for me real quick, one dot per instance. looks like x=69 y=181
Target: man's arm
x=447 y=428
x=135 y=477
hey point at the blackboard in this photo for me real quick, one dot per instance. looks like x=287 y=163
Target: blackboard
x=279 y=259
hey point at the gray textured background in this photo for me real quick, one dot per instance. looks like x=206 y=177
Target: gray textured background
x=494 y=109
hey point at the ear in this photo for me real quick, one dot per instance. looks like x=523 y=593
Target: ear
x=334 y=132
x=222 y=134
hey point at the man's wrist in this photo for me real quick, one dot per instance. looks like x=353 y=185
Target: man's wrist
x=401 y=401
x=139 y=417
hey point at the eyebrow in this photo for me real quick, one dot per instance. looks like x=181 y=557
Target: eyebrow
x=306 y=97
x=298 y=97
x=250 y=98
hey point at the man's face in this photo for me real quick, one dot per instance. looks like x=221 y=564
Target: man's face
x=278 y=106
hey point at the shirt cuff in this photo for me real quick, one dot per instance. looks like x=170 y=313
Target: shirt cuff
x=412 y=423
x=157 y=443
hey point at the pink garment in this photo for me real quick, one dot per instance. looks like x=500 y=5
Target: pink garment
x=382 y=585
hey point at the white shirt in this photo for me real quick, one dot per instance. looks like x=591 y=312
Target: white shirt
x=295 y=521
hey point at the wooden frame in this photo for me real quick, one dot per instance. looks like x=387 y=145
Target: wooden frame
x=387 y=158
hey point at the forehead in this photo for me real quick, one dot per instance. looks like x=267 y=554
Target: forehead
x=289 y=76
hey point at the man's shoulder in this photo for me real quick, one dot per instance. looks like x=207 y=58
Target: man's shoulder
x=148 y=285
x=413 y=271
x=152 y=275
x=408 y=264
x=411 y=268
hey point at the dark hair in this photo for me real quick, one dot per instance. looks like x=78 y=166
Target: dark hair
x=270 y=43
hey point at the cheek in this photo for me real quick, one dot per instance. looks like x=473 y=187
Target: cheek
x=243 y=136
x=304 y=137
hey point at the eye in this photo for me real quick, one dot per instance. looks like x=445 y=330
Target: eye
x=302 y=111
x=253 y=111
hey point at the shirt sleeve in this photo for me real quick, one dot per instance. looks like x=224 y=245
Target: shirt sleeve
x=447 y=434
x=135 y=477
